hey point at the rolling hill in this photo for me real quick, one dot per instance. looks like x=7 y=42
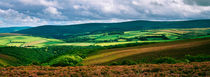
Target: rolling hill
x=176 y=49
x=11 y=29
x=66 y=31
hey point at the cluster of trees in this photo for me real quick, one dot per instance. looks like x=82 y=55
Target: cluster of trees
x=66 y=60
x=27 y=56
x=87 y=39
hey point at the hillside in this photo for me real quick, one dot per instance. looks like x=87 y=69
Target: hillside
x=11 y=29
x=176 y=49
x=66 y=31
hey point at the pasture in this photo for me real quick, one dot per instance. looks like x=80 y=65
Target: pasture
x=25 y=41
x=115 y=38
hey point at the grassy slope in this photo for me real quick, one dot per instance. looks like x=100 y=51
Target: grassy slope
x=174 y=49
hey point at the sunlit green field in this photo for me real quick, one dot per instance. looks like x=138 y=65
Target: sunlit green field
x=108 y=38
x=74 y=44
x=144 y=35
x=25 y=41
x=117 y=43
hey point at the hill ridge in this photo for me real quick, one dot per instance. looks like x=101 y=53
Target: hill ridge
x=66 y=31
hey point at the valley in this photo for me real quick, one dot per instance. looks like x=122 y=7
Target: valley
x=107 y=45
x=104 y=38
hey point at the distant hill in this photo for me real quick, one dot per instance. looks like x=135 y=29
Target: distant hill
x=11 y=29
x=65 y=31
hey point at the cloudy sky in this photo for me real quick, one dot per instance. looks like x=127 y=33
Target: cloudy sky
x=43 y=12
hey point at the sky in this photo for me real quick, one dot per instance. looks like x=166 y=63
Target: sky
x=63 y=12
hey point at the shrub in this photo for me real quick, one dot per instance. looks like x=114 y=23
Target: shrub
x=124 y=62
x=168 y=60
x=66 y=60
x=156 y=69
x=1 y=65
x=128 y=62
x=35 y=63
x=115 y=63
x=199 y=58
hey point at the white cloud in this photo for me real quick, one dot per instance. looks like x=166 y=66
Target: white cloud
x=103 y=6
x=52 y=10
x=46 y=3
x=52 y=13
x=137 y=9
x=12 y=17
x=87 y=21
x=171 y=8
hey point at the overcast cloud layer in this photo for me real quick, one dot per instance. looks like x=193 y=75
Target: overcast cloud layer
x=43 y=12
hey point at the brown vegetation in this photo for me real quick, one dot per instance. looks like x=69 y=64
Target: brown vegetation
x=177 y=70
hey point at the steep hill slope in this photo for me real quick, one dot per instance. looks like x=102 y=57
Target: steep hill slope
x=65 y=31
x=172 y=49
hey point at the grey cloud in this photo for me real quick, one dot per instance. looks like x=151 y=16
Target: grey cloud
x=198 y=2
x=11 y=17
x=55 y=11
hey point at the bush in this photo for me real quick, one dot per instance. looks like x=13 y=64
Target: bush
x=35 y=63
x=128 y=62
x=199 y=58
x=168 y=60
x=1 y=65
x=115 y=63
x=66 y=60
x=124 y=62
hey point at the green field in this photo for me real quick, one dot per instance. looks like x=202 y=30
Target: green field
x=26 y=41
x=73 y=44
x=107 y=38
x=143 y=35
